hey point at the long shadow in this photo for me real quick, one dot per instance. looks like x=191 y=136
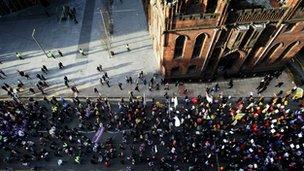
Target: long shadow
x=76 y=64
x=121 y=44
x=117 y=66
x=131 y=38
x=10 y=57
x=13 y=66
x=134 y=49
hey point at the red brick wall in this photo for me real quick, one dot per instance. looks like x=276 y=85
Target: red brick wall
x=186 y=60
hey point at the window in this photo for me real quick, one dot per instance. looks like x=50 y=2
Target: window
x=179 y=47
x=289 y=27
x=270 y=53
x=211 y=6
x=198 y=45
x=286 y=51
x=239 y=36
x=255 y=34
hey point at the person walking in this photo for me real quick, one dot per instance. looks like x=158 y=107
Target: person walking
x=230 y=84
x=39 y=76
x=32 y=90
x=152 y=81
x=279 y=84
x=60 y=65
x=21 y=73
x=141 y=74
x=44 y=69
x=101 y=81
x=157 y=87
x=51 y=55
x=99 y=68
x=42 y=77
x=42 y=91
x=95 y=90
x=60 y=53
x=19 y=56
x=66 y=81
x=27 y=76
x=106 y=75
x=74 y=89
x=137 y=87
x=120 y=86
x=108 y=83
x=81 y=51
x=128 y=48
x=127 y=79
x=166 y=86
x=19 y=84
x=216 y=88
x=2 y=72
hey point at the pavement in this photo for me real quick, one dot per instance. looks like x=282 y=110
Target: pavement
x=130 y=27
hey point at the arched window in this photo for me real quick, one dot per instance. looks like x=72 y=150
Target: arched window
x=179 y=47
x=289 y=27
x=211 y=6
x=270 y=53
x=198 y=45
x=285 y=52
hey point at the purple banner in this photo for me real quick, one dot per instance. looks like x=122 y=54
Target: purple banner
x=97 y=136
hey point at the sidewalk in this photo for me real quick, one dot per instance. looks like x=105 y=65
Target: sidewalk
x=130 y=27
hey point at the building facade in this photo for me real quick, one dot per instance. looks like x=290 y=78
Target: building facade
x=209 y=38
x=10 y=6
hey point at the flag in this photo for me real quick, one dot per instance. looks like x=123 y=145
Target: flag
x=177 y=122
x=298 y=94
x=209 y=98
x=97 y=137
x=175 y=102
x=237 y=117
x=144 y=102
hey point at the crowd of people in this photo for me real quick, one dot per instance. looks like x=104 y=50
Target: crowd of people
x=198 y=133
x=208 y=132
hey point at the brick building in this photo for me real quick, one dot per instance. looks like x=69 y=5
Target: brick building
x=10 y=6
x=208 y=38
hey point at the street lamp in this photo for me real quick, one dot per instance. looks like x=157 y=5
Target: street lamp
x=106 y=32
x=38 y=43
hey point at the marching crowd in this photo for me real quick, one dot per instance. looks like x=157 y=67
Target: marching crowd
x=208 y=132
x=199 y=133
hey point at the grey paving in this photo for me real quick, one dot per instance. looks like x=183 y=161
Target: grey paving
x=130 y=27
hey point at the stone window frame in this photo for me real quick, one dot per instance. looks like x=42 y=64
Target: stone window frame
x=283 y=55
x=268 y=55
x=290 y=27
x=183 y=47
x=201 y=47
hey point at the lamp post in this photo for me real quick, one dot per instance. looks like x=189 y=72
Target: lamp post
x=106 y=32
x=33 y=36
